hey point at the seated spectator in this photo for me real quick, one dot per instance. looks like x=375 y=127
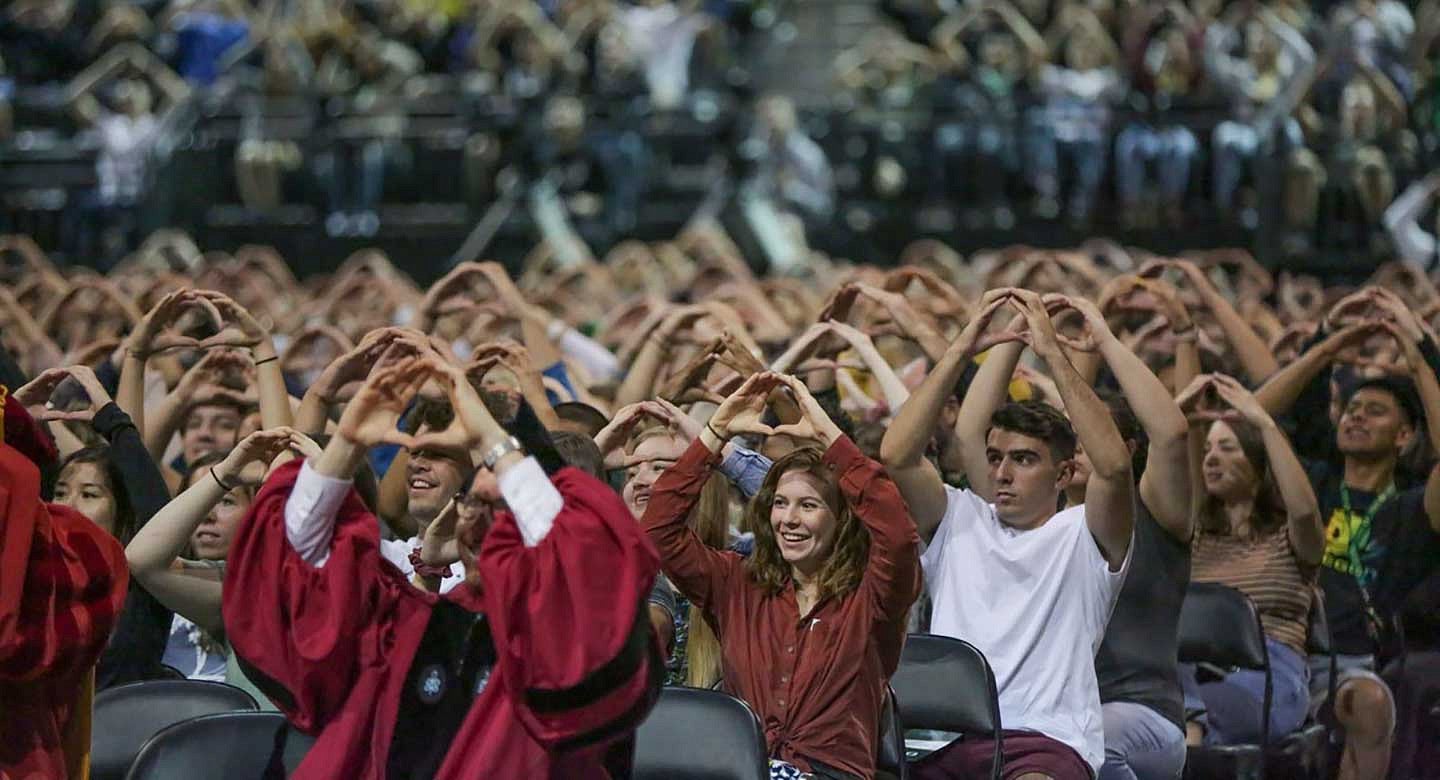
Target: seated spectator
x=1025 y=585
x=1264 y=87
x=1382 y=535
x=63 y=589
x=311 y=545
x=823 y=599
x=203 y=520
x=1259 y=532
x=119 y=488
x=1165 y=73
x=1074 y=120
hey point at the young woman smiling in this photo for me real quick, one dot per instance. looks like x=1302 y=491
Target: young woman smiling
x=812 y=623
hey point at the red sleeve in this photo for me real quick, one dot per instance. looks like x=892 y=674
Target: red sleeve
x=305 y=634
x=892 y=573
x=569 y=617
x=699 y=572
x=62 y=580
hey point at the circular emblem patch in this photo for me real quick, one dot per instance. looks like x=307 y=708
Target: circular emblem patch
x=432 y=683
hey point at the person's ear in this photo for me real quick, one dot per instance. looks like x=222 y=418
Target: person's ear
x=1404 y=437
x=1065 y=473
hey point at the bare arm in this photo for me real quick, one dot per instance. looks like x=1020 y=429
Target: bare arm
x=1110 y=493
x=1302 y=511
x=1165 y=485
x=1255 y=357
x=987 y=392
x=903 y=448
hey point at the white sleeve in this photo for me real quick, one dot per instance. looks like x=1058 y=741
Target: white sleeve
x=1412 y=243
x=594 y=357
x=962 y=508
x=310 y=514
x=532 y=499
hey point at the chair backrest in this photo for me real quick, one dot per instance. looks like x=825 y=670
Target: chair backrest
x=224 y=746
x=127 y=716
x=1319 y=641
x=697 y=734
x=945 y=684
x=1219 y=625
x=890 y=755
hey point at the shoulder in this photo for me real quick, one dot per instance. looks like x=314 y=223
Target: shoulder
x=963 y=504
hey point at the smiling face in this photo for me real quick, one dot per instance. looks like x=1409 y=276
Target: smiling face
x=433 y=476
x=85 y=488
x=209 y=428
x=1026 y=477
x=1228 y=472
x=647 y=462
x=1372 y=425
x=803 y=521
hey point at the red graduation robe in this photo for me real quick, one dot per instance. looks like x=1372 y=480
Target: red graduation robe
x=62 y=585
x=336 y=643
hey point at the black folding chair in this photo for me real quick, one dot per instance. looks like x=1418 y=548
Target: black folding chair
x=945 y=684
x=1307 y=752
x=1219 y=626
x=224 y=746
x=697 y=734
x=890 y=755
x=126 y=716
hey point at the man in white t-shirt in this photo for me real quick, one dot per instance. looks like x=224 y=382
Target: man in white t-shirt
x=1030 y=587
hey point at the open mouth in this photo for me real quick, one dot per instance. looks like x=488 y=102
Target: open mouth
x=207 y=537
x=790 y=537
x=416 y=483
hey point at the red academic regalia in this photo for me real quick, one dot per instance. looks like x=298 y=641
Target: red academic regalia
x=62 y=585
x=336 y=643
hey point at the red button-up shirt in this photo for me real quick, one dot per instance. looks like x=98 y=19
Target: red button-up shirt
x=817 y=681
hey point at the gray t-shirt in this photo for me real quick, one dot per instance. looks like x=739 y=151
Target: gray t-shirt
x=1137 y=661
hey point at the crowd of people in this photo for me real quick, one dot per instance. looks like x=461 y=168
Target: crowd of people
x=395 y=512
x=1314 y=120
x=472 y=527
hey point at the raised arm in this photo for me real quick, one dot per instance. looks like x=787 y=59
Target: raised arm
x=1110 y=493
x=244 y=330
x=903 y=448
x=1165 y=486
x=893 y=389
x=1282 y=390
x=1402 y=221
x=1254 y=355
x=1302 y=511
x=152 y=553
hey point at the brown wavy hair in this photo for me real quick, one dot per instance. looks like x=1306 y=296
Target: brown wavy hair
x=842 y=571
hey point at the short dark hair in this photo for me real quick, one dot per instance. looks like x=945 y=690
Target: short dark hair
x=1038 y=420
x=1129 y=427
x=582 y=414
x=1400 y=388
x=579 y=451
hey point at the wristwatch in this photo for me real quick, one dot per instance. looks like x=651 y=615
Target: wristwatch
x=494 y=454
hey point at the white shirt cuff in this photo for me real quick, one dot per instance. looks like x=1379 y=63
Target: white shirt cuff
x=310 y=513
x=532 y=499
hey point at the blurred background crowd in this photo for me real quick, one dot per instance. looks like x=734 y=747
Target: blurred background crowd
x=1300 y=131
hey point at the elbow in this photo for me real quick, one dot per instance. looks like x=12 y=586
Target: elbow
x=896 y=451
x=1112 y=469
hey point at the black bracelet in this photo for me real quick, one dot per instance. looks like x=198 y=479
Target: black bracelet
x=259 y=363
x=714 y=432
x=222 y=485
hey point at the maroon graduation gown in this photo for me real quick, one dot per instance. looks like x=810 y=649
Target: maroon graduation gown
x=338 y=641
x=62 y=585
